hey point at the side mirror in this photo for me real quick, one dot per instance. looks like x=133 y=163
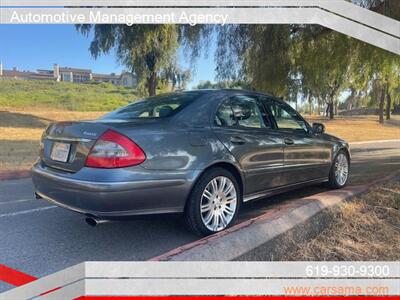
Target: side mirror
x=318 y=128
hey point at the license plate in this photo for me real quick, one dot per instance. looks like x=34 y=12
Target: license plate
x=60 y=152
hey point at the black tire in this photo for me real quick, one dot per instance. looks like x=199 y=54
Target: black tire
x=192 y=210
x=333 y=182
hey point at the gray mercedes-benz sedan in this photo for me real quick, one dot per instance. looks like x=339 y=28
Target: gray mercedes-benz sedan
x=202 y=153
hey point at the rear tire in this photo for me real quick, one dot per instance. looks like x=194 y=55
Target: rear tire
x=214 y=202
x=339 y=173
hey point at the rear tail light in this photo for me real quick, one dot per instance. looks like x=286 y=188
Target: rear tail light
x=114 y=150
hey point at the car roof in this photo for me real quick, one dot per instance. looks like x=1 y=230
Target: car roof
x=229 y=92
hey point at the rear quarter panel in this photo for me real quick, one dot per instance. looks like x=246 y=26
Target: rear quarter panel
x=173 y=148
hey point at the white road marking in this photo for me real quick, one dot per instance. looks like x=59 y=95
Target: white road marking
x=17 y=201
x=369 y=153
x=373 y=142
x=23 y=212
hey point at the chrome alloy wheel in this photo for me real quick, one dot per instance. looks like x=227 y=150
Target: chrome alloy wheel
x=341 y=169
x=218 y=203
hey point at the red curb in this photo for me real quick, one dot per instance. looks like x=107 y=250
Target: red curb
x=269 y=215
x=8 y=175
x=14 y=277
x=346 y=193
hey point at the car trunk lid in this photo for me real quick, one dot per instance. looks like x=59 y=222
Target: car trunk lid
x=66 y=145
x=82 y=135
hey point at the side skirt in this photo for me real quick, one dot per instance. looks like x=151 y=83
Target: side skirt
x=282 y=189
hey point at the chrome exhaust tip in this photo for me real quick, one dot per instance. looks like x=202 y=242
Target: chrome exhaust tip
x=92 y=221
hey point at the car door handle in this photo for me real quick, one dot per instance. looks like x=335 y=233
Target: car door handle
x=238 y=140
x=288 y=141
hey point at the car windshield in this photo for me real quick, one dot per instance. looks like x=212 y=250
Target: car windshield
x=161 y=106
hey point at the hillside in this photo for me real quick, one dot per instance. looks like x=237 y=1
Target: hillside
x=23 y=94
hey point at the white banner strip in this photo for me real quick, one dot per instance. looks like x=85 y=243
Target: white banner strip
x=361 y=32
x=165 y=3
x=341 y=7
x=245 y=287
x=200 y=16
x=72 y=291
x=212 y=278
x=220 y=269
x=364 y=16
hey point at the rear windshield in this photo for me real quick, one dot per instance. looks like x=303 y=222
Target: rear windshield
x=161 y=106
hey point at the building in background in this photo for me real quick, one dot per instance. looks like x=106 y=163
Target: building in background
x=68 y=74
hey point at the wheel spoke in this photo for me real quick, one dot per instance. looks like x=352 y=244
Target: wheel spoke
x=222 y=183
x=207 y=194
x=208 y=218
x=230 y=199
x=206 y=207
x=215 y=222
x=230 y=187
x=214 y=185
x=228 y=210
x=224 y=220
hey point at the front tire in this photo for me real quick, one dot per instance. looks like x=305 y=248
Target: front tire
x=214 y=202
x=339 y=172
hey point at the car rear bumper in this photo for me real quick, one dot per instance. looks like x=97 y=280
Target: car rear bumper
x=111 y=195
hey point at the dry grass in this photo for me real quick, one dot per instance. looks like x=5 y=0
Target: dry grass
x=355 y=129
x=367 y=228
x=20 y=132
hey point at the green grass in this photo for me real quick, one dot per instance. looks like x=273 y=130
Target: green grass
x=24 y=94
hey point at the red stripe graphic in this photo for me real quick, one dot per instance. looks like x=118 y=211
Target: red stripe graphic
x=48 y=292
x=14 y=277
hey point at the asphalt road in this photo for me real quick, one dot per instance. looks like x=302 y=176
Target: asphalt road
x=39 y=238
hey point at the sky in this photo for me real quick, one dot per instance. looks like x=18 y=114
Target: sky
x=32 y=47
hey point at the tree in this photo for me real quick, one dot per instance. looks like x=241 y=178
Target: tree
x=203 y=85
x=323 y=60
x=223 y=85
x=183 y=78
x=378 y=71
x=285 y=60
x=257 y=54
x=174 y=76
x=374 y=70
x=144 y=49
x=170 y=74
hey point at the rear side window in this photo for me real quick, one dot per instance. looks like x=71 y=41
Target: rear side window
x=224 y=116
x=161 y=106
x=241 y=111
